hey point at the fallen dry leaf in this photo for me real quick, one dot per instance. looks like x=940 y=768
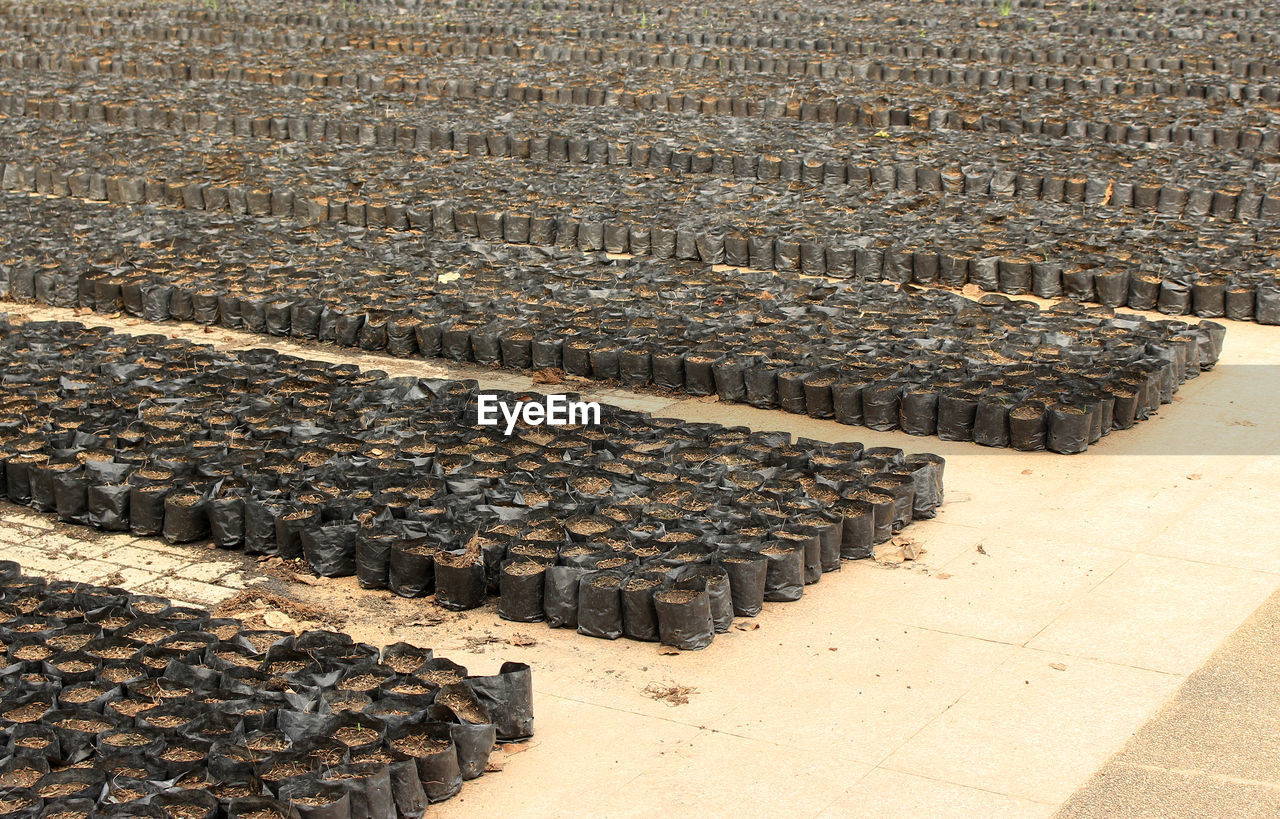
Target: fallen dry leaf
x=942 y=575
x=1058 y=666
x=890 y=553
x=981 y=550
x=668 y=650
x=746 y=626
x=521 y=640
x=670 y=693
x=548 y=376
x=1194 y=476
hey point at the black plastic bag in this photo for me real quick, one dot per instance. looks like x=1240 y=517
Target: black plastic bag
x=508 y=698
x=560 y=595
x=460 y=580
x=684 y=617
x=600 y=604
x=330 y=550
x=521 y=588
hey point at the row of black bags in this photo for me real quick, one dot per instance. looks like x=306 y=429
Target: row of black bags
x=955 y=163
x=919 y=360
x=1013 y=246
x=115 y=704
x=392 y=481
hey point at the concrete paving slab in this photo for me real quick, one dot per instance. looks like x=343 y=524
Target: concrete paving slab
x=1034 y=728
x=1214 y=749
x=1158 y=613
x=890 y=794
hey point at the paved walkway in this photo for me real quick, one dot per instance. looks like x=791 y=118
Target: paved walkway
x=1061 y=603
x=1214 y=750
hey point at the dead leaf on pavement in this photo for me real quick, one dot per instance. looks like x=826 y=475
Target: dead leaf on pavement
x=548 y=376
x=1058 y=666
x=670 y=693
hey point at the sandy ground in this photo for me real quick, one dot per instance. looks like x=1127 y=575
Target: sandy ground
x=1059 y=603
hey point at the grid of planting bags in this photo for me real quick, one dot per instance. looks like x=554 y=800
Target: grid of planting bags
x=948 y=162
x=115 y=704
x=928 y=362
x=641 y=527
x=962 y=146
x=1087 y=253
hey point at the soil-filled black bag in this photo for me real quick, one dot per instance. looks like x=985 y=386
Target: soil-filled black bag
x=521 y=584
x=189 y=802
x=818 y=396
x=926 y=471
x=437 y=760
x=668 y=369
x=719 y=592
x=600 y=604
x=784 y=578
x=412 y=568
x=109 y=506
x=761 y=383
x=186 y=516
x=460 y=580
x=373 y=558
x=991 y=420
x=18 y=473
x=1029 y=427
x=957 y=413
x=1069 y=428
x=330 y=549
x=746 y=571
x=856 y=530
x=811 y=545
x=226 y=522
x=1239 y=303
x=406 y=788
x=880 y=402
x=791 y=394
x=846 y=400
x=315 y=799
x=508 y=697
x=260 y=526
x=257 y=806
x=639 y=616
x=146 y=508
x=918 y=413
x=684 y=615
x=71 y=497
x=474 y=745
x=369 y=786
x=698 y=377
x=42 y=497
x=728 y=374
x=560 y=595
x=76 y=783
